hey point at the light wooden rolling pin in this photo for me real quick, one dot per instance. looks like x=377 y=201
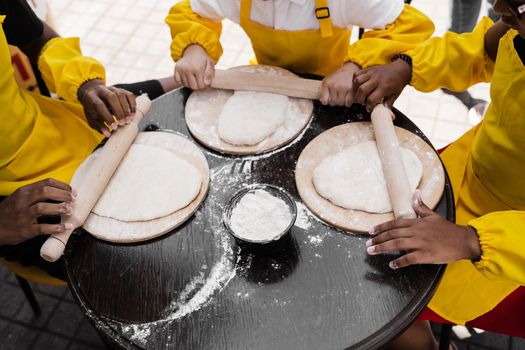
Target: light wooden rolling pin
x=386 y=138
x=96 y=180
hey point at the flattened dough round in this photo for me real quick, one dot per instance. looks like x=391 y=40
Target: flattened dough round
x=204 y=107
x=247 y=117
x=353 y=178
x=335 y=140
x=113 y=230
x=131 y=195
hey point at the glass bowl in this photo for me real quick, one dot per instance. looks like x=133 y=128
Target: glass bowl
x=272 y=190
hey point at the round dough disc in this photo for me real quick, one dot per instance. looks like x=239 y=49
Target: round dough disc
x=358 y=170
x=203 y=109
x=128 y=195
x=113 y=230
x=343 y=136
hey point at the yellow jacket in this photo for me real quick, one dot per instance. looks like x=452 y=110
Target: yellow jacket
x=376 y=47
x=486 y=167
x=42 y=137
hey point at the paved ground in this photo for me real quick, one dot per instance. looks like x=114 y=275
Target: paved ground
x=130 y=38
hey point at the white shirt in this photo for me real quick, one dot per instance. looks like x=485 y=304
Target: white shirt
x=295 y=15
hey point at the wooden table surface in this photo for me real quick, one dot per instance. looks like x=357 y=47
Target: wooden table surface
x=197 y=287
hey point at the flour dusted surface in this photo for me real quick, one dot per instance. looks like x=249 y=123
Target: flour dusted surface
x=259 y=216
x=353 y=178
x=249 y=117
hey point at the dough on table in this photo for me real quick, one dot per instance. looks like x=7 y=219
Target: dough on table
x=149 y=183
x=341 y=137
x=249 y=117
x=205 y=109
x=353 y=178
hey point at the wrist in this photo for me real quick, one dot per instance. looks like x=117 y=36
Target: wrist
x=403 y=64
x=85 y=86
x=472 y=244
x=193 y=49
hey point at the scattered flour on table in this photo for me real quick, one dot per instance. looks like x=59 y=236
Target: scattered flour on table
x=259 y=216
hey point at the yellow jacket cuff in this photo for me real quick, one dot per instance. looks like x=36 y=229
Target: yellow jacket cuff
x=502 y=241
x=188 y=28
x=64 y=68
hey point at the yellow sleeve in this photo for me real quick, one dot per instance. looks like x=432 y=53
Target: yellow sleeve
x=502 y=239
x=188 y=28
x=378 y=46
x=64 y=68
x=455 y=61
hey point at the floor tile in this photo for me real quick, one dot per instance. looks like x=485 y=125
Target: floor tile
x=17 y=337
x=518 y=344
x=53 y=291
x=66 y=319
x=491 y=340
x=48 y=341
x=88 y=334
x=11 y=300
x=47 y=306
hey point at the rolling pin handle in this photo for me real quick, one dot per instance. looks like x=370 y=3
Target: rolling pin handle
x=53 y=248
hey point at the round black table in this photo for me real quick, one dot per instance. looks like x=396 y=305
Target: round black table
x=197 y=287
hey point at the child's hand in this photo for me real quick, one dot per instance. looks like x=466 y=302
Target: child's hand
x=429 y=239
x=195 y=69
x=20 y=210
x=106 y=107
x=381 y=84
x=337 y=88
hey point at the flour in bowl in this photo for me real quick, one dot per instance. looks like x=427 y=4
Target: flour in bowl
x=260 y=217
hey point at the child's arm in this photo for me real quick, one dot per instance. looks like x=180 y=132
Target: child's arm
x=455 y=61
x=375 y=47
x=494 y=242
x=195 y=45
x=410 y=29
x=65 y=70
x=429 y=239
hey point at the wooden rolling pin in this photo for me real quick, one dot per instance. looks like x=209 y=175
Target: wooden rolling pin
x=96 y=180
x=283 y=85
x=386 y=138
x=393 y=167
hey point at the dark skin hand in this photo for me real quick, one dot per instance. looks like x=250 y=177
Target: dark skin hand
x=384 y=84
x=20 y=210
x=100 y=102
x=381 y=84
x=103 y=104
x=429 y=239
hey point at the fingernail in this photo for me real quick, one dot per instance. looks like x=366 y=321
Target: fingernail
x=106 y=133
x=369 y=243
x=372 y=230
x=371 y=250
x=114 y=126
x=65 y=208
x=392 y=265
x=417 y=197
x=128 y=120
x=68 y=226
x=121 y=122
